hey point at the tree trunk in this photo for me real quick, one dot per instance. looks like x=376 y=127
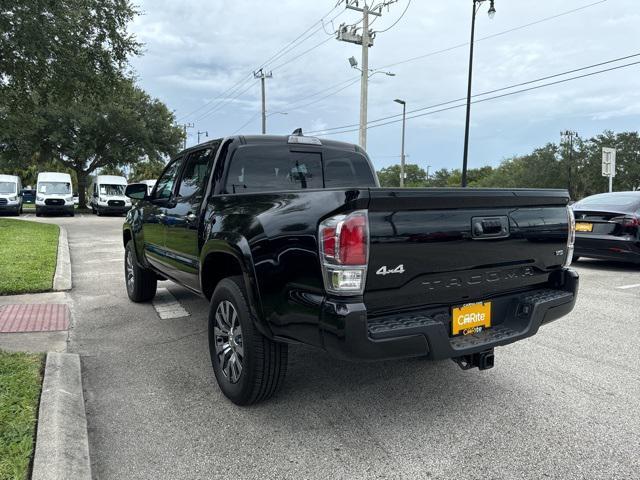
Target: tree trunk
x=82 y=178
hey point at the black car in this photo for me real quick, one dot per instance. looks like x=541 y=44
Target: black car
x=28 y=196
x=293 y=241
x=608 y=227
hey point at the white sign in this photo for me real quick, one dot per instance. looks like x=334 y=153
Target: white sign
x=608 y=162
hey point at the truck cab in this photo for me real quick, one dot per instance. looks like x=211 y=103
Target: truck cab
x=107 y=195
x=54 y=194
x=10 y=194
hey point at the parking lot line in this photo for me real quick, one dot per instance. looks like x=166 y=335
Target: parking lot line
x=167 y=306
x=627 y=287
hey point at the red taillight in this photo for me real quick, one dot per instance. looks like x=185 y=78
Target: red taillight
x=631 y=221
x=329 y=241
x=344 y=248
x=353 y=241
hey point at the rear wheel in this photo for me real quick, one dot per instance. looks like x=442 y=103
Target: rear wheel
x=248 y=366
x=141 y=283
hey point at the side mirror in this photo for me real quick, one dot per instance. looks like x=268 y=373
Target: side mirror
x=136 y=191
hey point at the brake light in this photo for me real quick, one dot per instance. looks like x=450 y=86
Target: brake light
x=571 y=238
x=627 y=221
x=344 y=248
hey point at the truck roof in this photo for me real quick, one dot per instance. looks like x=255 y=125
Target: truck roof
x=110 y=179
x=280 y=140
x=9 y=178
x=54 y=177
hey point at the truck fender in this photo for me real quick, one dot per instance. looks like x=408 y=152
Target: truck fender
x=235 y=246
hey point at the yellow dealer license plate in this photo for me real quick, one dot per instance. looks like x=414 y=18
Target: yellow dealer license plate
x=584 y=227
x=471 y=318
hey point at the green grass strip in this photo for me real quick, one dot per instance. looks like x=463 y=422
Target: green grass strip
x=20 y=384
x=28 y=253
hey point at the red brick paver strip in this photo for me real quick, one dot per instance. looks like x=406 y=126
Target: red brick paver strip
x=42 y=317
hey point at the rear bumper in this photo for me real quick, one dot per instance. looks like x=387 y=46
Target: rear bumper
x=608 y=248
x=347 y=332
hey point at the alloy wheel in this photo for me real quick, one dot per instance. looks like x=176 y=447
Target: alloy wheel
x=130 y=272
x=228 y=337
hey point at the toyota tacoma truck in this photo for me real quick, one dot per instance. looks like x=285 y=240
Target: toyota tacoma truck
x=292 y=241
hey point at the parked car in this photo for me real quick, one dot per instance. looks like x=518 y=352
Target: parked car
x=608 y=227
x=10 y=194
x=293 y=241
x=107 y=195
x=28 y=196
x=54 y=194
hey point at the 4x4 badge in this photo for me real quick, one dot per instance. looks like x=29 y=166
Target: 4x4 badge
x=385 y=271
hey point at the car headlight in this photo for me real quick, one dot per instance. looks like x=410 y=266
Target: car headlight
x=103 y=199
x=40 y=198
x=69 y=198
x=12 y=199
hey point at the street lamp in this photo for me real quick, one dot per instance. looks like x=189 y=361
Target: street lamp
x=404 y=118
x=354 y=64
x=491 y=13
x=205 y=133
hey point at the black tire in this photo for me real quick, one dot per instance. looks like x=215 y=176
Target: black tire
x=263 y=361
x=98 y=212
x=38 y=212
x=141 y=283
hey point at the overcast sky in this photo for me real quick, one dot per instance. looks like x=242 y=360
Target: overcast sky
x=196 y=51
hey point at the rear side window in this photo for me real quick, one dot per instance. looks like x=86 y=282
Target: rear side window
x=347 y=169
x=267 y=169
x=260 y=169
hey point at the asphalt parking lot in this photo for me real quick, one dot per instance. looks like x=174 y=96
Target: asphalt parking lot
x=560 y=405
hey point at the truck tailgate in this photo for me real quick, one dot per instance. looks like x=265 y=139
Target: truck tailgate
x=431 y=247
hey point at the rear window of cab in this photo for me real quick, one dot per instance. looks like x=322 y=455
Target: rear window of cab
x=255 y=169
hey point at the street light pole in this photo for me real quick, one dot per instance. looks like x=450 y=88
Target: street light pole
x=404 y=118
x=205 y=133
x=492 y=12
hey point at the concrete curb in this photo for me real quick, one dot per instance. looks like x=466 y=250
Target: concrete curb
x=62 y=277
x=62 y=443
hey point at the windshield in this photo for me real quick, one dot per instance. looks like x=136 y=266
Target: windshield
x=112 y=190
x=60 y=188
x=608 y=200
x=7 y=187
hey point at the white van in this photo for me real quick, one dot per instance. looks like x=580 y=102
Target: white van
x=150 y=184
x=107 y=195
x=10 y=194
x=54 y=194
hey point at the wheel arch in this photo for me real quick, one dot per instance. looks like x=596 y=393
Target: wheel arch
x=228 y=257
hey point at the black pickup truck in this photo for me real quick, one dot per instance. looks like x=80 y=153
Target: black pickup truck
x=293 y=241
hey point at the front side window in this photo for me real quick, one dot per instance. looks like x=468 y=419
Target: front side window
x=54 y=188
x=7 y=187
x=196 y=173
x=164 y=186
x=256 y=169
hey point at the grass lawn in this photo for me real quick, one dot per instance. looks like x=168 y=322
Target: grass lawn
x=28 y=254
x=20 y=384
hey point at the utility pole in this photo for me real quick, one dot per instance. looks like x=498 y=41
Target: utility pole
x=567 y=138
x=184 y=128
x=262 y=75
x=205 y=133
x=404 y=119
x=349 y=34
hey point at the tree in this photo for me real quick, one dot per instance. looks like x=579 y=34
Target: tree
x=390 y=176
x=121 y=129
x=66 y=95
x=147 y=170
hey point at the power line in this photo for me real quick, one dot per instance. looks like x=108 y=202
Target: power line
x=504 y=32
x=301 y=54
x=219 y=105
x=396 y=22
x=488 y=92
x=277 y=55
x=557 y=82
x=351 y=82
